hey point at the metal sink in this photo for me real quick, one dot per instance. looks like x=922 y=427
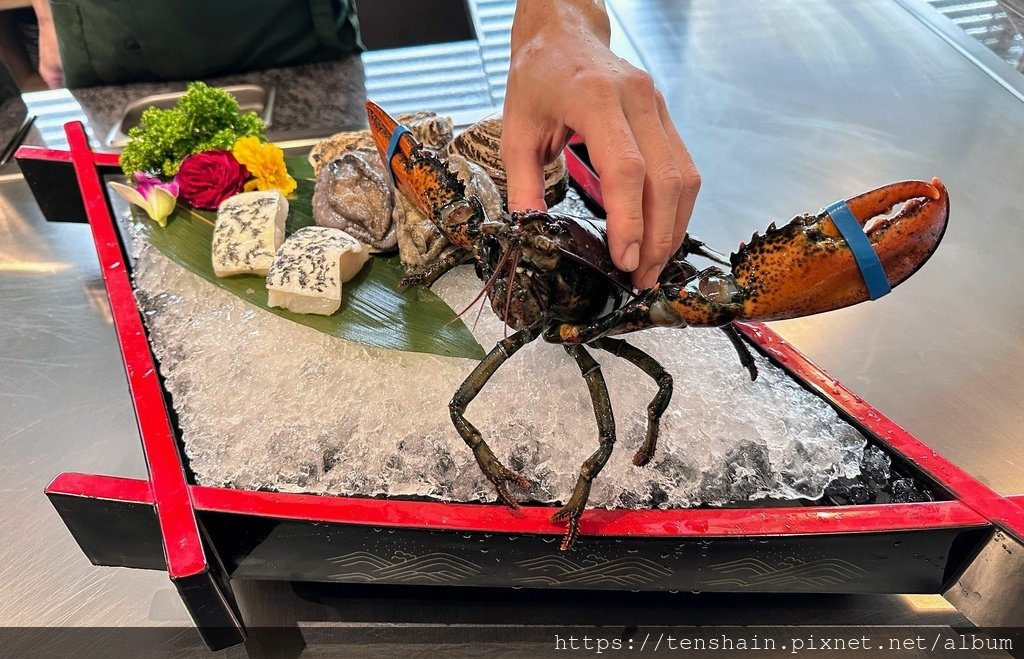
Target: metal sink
x=256 y=98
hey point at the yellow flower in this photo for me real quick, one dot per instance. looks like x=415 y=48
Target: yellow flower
x=265 y=162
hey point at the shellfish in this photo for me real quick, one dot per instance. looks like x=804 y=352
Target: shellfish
x=433 y=130
x=481 y=144
x=354 y=193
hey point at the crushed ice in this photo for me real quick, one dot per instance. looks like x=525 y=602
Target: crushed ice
x=264 y=403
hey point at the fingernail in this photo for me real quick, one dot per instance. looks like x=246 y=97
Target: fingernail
x=631 y=257
x=650 y=277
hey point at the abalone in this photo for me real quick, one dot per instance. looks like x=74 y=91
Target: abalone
x=353 y=193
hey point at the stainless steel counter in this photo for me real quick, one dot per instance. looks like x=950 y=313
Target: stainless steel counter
x=63 y=406
x=785 y=106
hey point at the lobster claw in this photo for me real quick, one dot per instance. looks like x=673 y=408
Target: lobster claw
x=425 y=179
x=422 y=177
x=807 y=267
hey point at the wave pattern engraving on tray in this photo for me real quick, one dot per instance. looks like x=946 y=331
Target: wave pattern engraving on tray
x=792 y=572
x=433 y=568
x=559 y=571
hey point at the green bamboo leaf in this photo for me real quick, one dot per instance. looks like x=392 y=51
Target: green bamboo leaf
x=300 y=168
x=373 y=310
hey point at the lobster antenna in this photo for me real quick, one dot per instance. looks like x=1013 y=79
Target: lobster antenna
x=508 y=286
x=469 y=306
x=486 y=288
x=479 y=312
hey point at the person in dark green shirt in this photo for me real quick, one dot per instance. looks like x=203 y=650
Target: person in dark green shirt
x=8 y=88
x=106 y=42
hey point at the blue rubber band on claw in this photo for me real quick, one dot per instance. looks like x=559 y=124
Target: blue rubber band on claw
x=867 y=259
x=393 y=146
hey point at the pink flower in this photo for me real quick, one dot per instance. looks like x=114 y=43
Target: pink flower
x=151 y=194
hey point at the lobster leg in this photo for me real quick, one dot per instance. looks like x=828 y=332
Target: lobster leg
x=496 y=472
x=652 y=308
x=746 y=359
x=634 y=316
x=657 y=407
x=448 y=260
x=573 y=509
x=637 y=315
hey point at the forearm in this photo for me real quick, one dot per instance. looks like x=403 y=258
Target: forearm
x=49 y=53
x=43 y=15
x=575 y=17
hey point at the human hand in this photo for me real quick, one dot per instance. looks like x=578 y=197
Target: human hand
x=50 y=68
x=563 y=77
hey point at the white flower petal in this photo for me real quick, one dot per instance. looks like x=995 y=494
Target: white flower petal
x=162 y=204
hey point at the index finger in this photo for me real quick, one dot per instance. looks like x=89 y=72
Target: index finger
x=524 y=167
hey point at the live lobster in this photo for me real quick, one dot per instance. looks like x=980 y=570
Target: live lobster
x=552 y=277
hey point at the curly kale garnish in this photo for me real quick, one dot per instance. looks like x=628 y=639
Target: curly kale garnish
x=205 y=118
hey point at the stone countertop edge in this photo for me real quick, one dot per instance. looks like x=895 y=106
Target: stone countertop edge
x=310 y=99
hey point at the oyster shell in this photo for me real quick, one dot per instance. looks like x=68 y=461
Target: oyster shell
x=433 y=131
x=419 y=241
x=480 y=143
x=429 y=128
x=478 y=184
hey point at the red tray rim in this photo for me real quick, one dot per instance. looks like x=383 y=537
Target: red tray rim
x=177 y=502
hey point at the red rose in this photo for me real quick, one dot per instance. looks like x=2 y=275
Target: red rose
x=208 y=178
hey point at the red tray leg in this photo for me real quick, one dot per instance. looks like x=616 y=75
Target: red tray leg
x=115 y=522
x=192 y=565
